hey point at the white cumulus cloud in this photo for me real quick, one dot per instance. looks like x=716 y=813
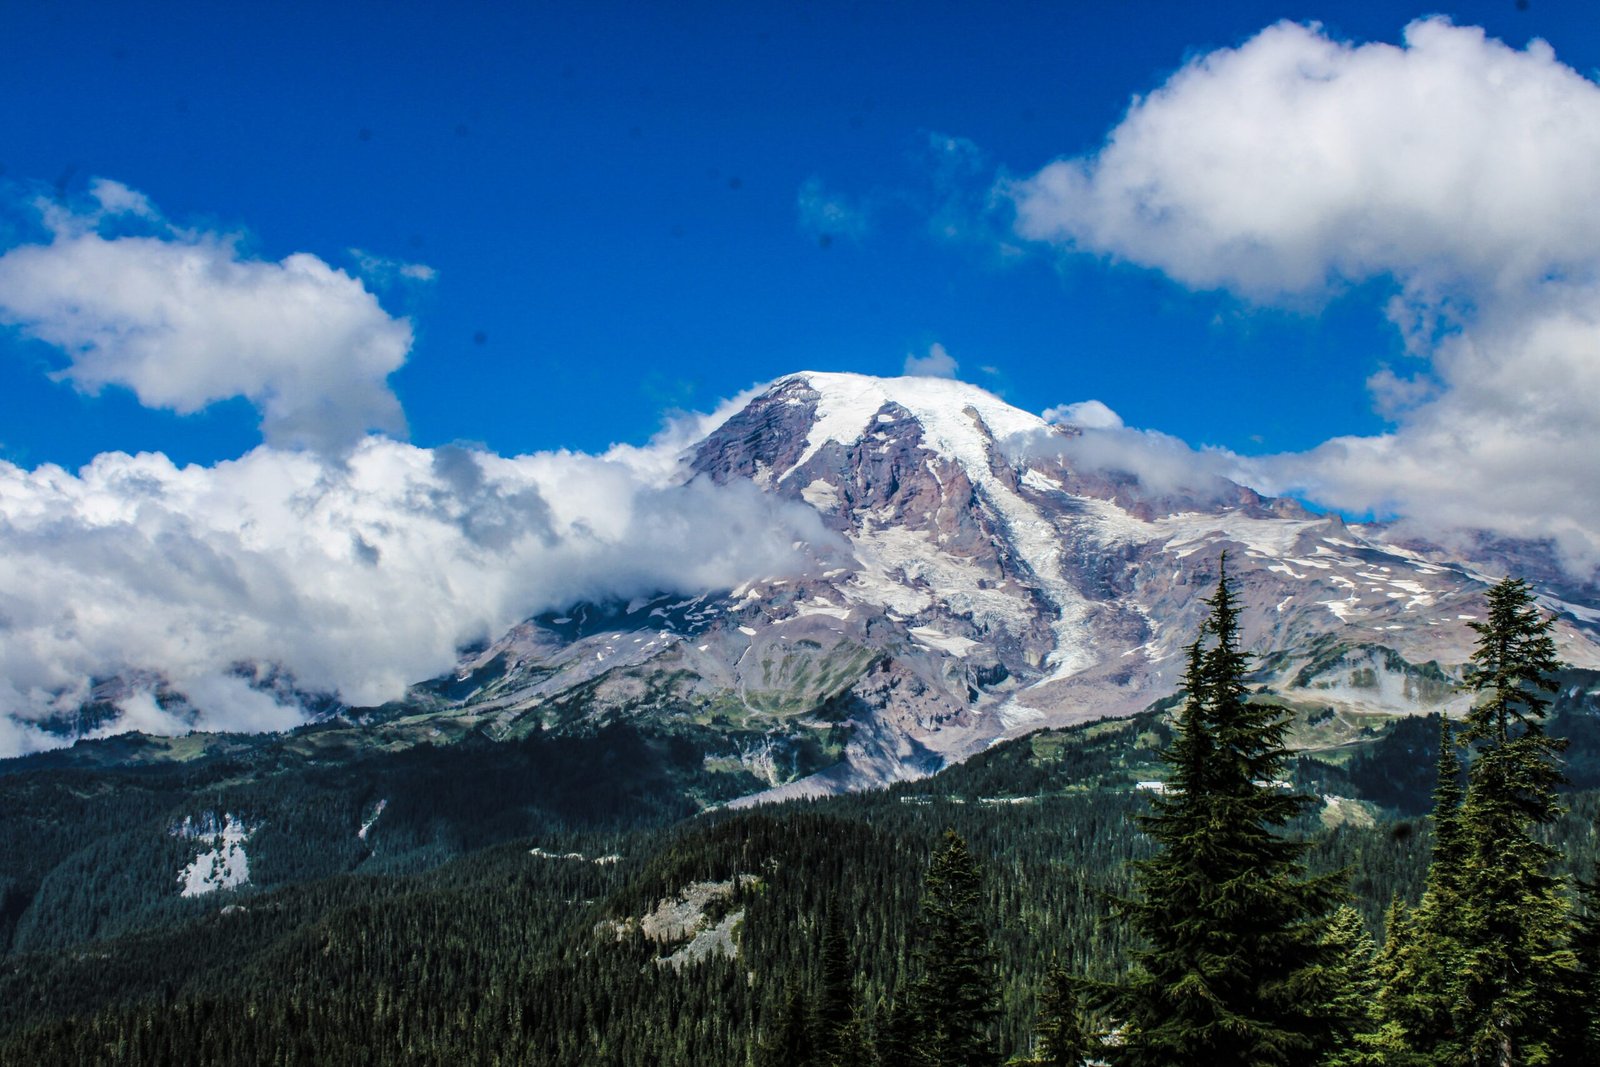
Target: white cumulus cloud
x=1085 y=414
x=1463 y=170
x=184 y=318
x=357 y=577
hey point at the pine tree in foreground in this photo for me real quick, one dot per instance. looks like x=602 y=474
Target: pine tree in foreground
x=1423 y=950
x=1232 y=967
x=1518 y=973
x=955 y=1001
x=1360 y=1038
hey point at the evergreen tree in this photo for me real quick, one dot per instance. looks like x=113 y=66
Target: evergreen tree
x=835 y=999
x=1064 y=1039
x=855 y=1047
x=790 y=1045
x=1351 y=996
x=1423 y=953
x=1396 y=935
x=1517 y=970
x=1449 y=845
x=955 y=1000
x=1232 y=962
x=1394 y=1041
x=1586 y=946
x=895 y=1035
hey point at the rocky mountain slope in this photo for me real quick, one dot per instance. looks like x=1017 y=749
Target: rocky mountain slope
x=981 y=586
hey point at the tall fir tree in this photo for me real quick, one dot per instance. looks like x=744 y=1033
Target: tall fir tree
x=1518 y=971
x=956 y=998
x=1393 y=996
x=856 y=1046
x=1065 y=1039
x=1232 y=966
x=1359 y=1038
x=1423 y=953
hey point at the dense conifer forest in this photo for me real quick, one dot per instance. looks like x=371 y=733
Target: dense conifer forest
x=1425 y=897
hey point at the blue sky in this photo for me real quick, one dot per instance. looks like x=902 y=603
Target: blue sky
x=608 y=194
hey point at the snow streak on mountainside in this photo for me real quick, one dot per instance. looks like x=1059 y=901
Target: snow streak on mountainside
x=989 y=588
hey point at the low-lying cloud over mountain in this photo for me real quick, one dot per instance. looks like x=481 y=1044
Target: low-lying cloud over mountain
x=358 y=578
x=1296 y=166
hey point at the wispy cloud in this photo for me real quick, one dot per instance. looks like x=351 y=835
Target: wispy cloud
x=185 y=318
x=938 y=363
x=827 y=216
x=382 y=270
x=1295 y=166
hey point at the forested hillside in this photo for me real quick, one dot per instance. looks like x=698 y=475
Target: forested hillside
x=554 y=900
x=494 y=956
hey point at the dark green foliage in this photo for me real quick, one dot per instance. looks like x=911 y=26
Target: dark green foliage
x=1351 y=996
x=1586 y=947
x=1065 y=1038
x=1517 y=972
x=1424 y=952
x=954 y=999
x=835 y=1010
x=1450 y=845
x=791 y=1044
x=1513 y=664
x=1397 y=770
x=1231 y=965
x=378 y=968
x=897 y=1034
x=88 y=853
x=857 y=1047
x=1483 y=971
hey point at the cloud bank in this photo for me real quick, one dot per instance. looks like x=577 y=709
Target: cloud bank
x=1165 y=466
x=1295 y=166
x=184 y=318
x=358 y=577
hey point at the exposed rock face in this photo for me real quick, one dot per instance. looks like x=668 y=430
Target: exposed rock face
x=687 y=920
x=990 y=589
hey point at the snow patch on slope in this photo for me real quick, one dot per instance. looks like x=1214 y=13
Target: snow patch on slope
x=1188 y=532
x=377 y=810
x=937 y=639
x=222 y=866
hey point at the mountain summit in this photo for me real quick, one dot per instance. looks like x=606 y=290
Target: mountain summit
x=981 y=586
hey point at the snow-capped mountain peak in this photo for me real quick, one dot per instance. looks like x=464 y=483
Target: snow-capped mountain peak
x=958 y=421
x=988 y=588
